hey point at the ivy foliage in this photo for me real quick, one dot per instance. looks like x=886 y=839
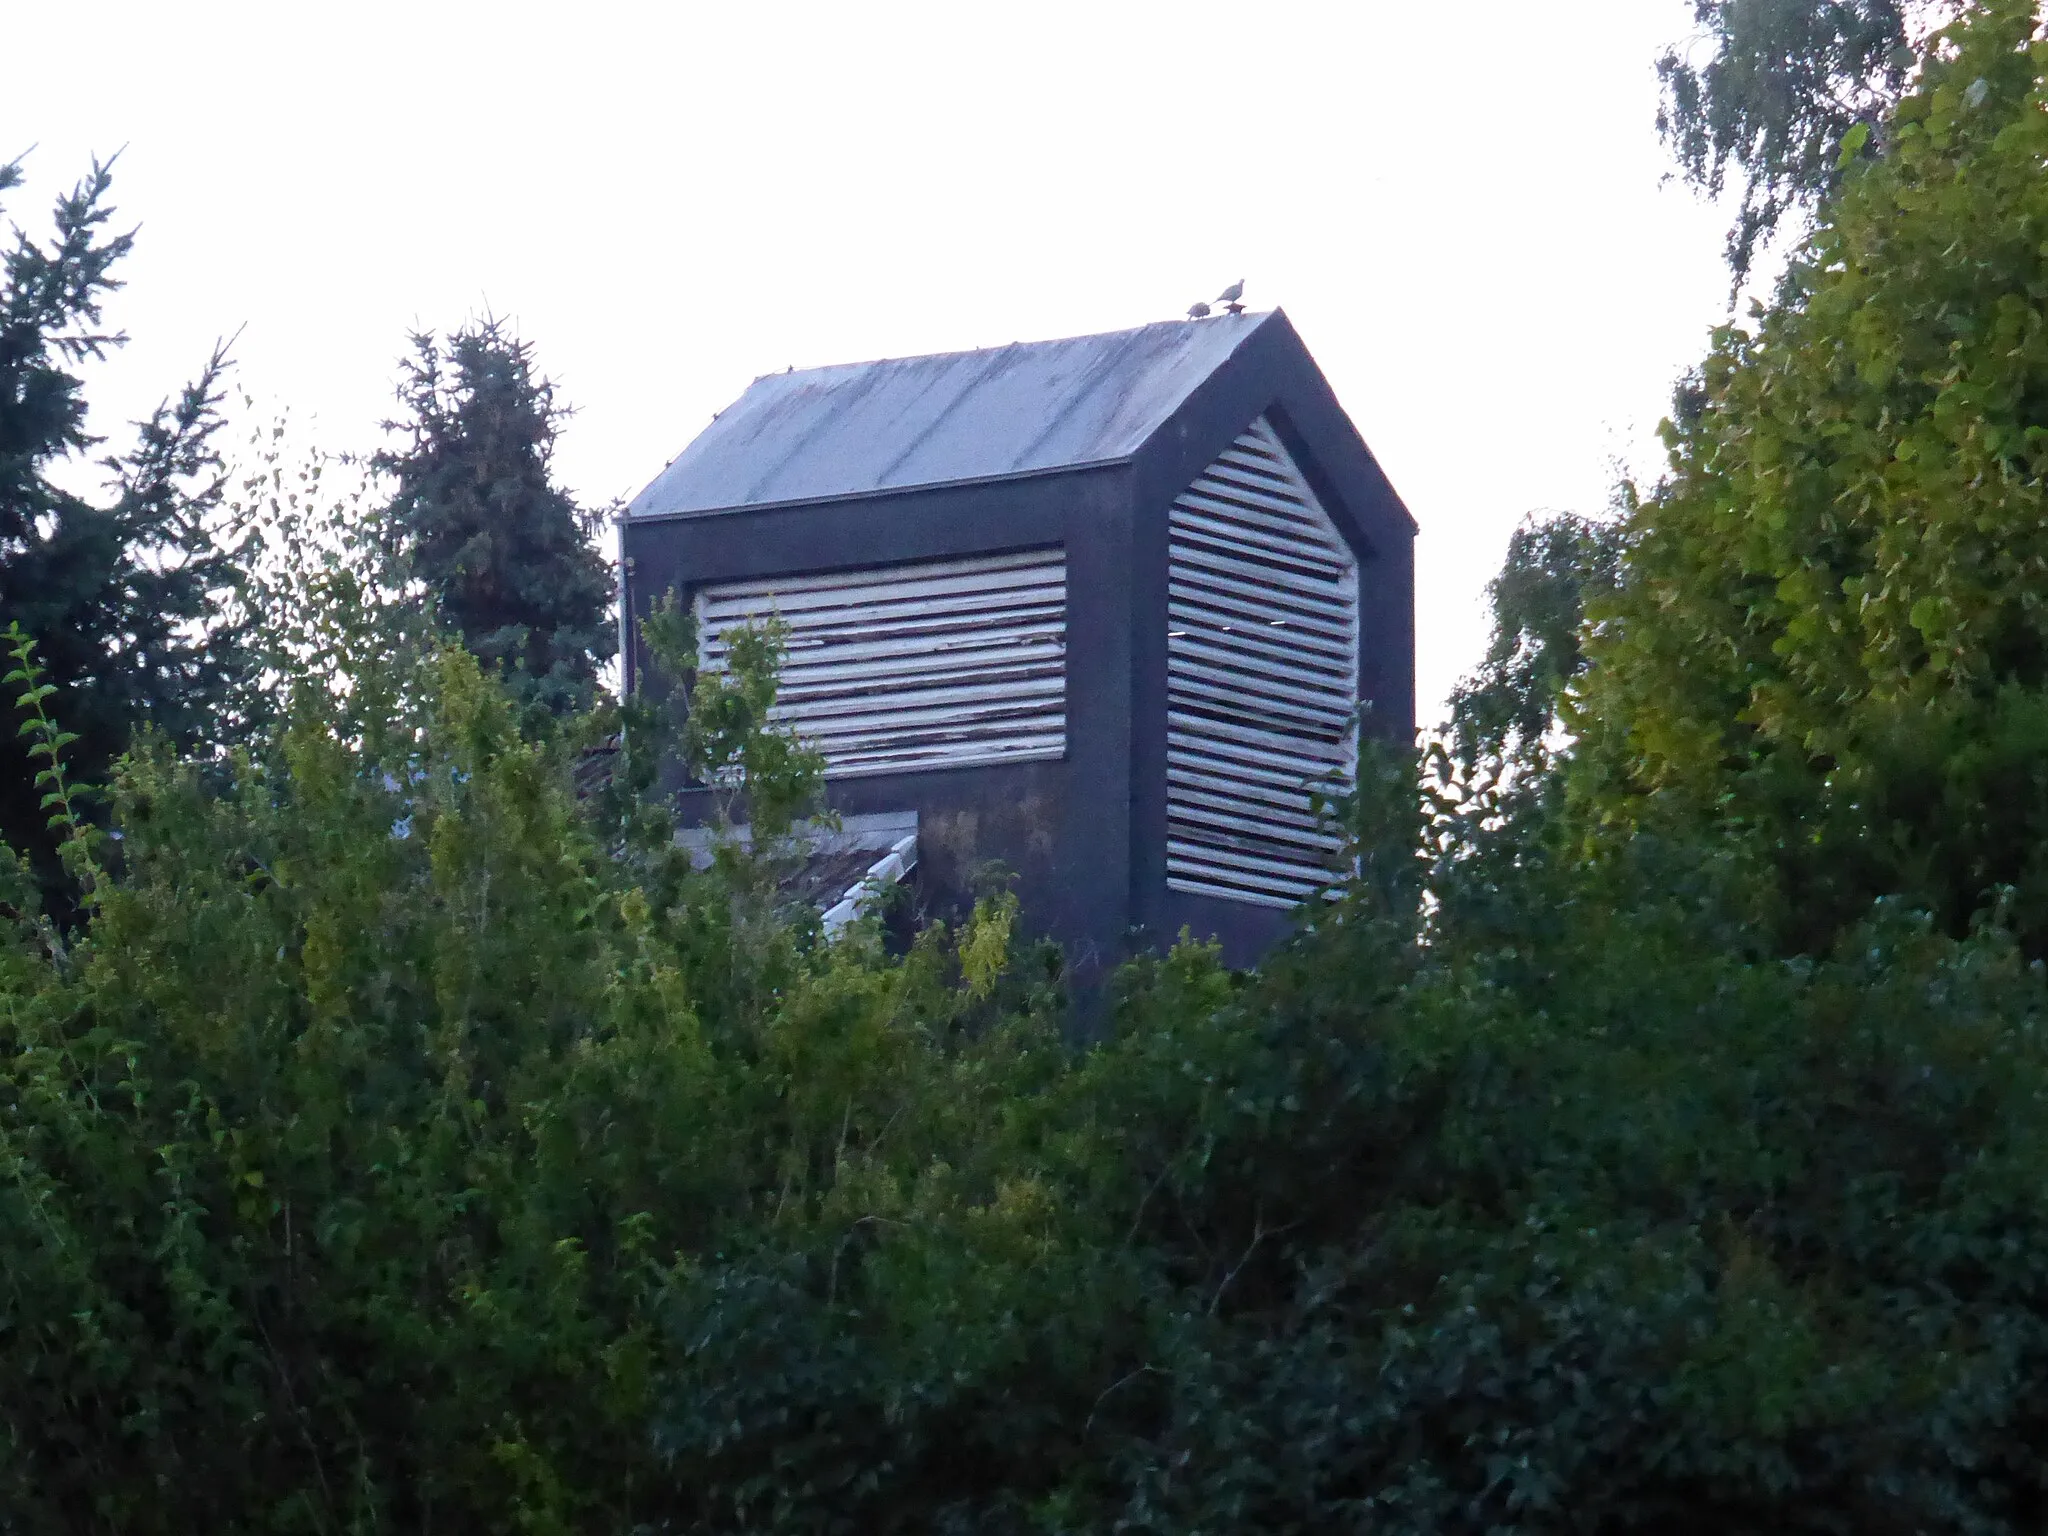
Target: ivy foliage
x=1830 y=639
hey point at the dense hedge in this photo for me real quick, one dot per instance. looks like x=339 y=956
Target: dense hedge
x=393 y=1154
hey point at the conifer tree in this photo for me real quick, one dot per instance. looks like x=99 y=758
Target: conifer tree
x=124 y=596
x=506 y=552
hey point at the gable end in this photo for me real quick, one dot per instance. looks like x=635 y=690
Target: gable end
x=1262 y=676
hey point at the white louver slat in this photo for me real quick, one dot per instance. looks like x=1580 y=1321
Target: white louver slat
x=1261 y=677
x=938 y=664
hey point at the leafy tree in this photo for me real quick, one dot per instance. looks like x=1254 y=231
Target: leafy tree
x=1494 y=779
x=388 y=1154
x=1507 y=710
x=446 y=1106
x=123 y=595
x=1829 y=636
x=504 y=552
x=407 y=1140
x=1783 y=84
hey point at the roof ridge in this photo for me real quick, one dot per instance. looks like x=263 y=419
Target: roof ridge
x=1248 y=319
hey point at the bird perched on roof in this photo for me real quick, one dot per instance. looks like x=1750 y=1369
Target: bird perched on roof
x=1230 y=296
x=1198 y=311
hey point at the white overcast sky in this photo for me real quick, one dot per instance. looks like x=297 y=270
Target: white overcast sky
x=1459 y=205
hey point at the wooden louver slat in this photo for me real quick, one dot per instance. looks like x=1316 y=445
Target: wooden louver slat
x=1261 y=677
x=937 y=664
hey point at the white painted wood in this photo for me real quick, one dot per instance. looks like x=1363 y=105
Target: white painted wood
x=936 y=664
x=1261 y=677
x=890 y=869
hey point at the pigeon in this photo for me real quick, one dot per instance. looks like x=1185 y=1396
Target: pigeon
x=1231 y=294
x=1197 y=311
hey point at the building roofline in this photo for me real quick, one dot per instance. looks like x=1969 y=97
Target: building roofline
x=1249 y=319
x=1049 y=472
x=848 y=431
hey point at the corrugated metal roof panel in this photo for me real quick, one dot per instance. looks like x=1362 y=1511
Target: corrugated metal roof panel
x=1028 y=408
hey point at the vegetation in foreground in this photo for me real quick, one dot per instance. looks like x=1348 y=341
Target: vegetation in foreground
x=1649 y=1137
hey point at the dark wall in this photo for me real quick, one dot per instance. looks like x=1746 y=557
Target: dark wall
x=972 y=820
x=1063 y=827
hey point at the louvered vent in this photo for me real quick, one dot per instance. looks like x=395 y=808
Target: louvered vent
x=934 y=665
x=1262 y=677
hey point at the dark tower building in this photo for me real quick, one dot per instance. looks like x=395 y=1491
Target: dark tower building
x=1099 y=609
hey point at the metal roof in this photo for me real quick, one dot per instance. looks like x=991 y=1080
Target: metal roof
x=1028 y=408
